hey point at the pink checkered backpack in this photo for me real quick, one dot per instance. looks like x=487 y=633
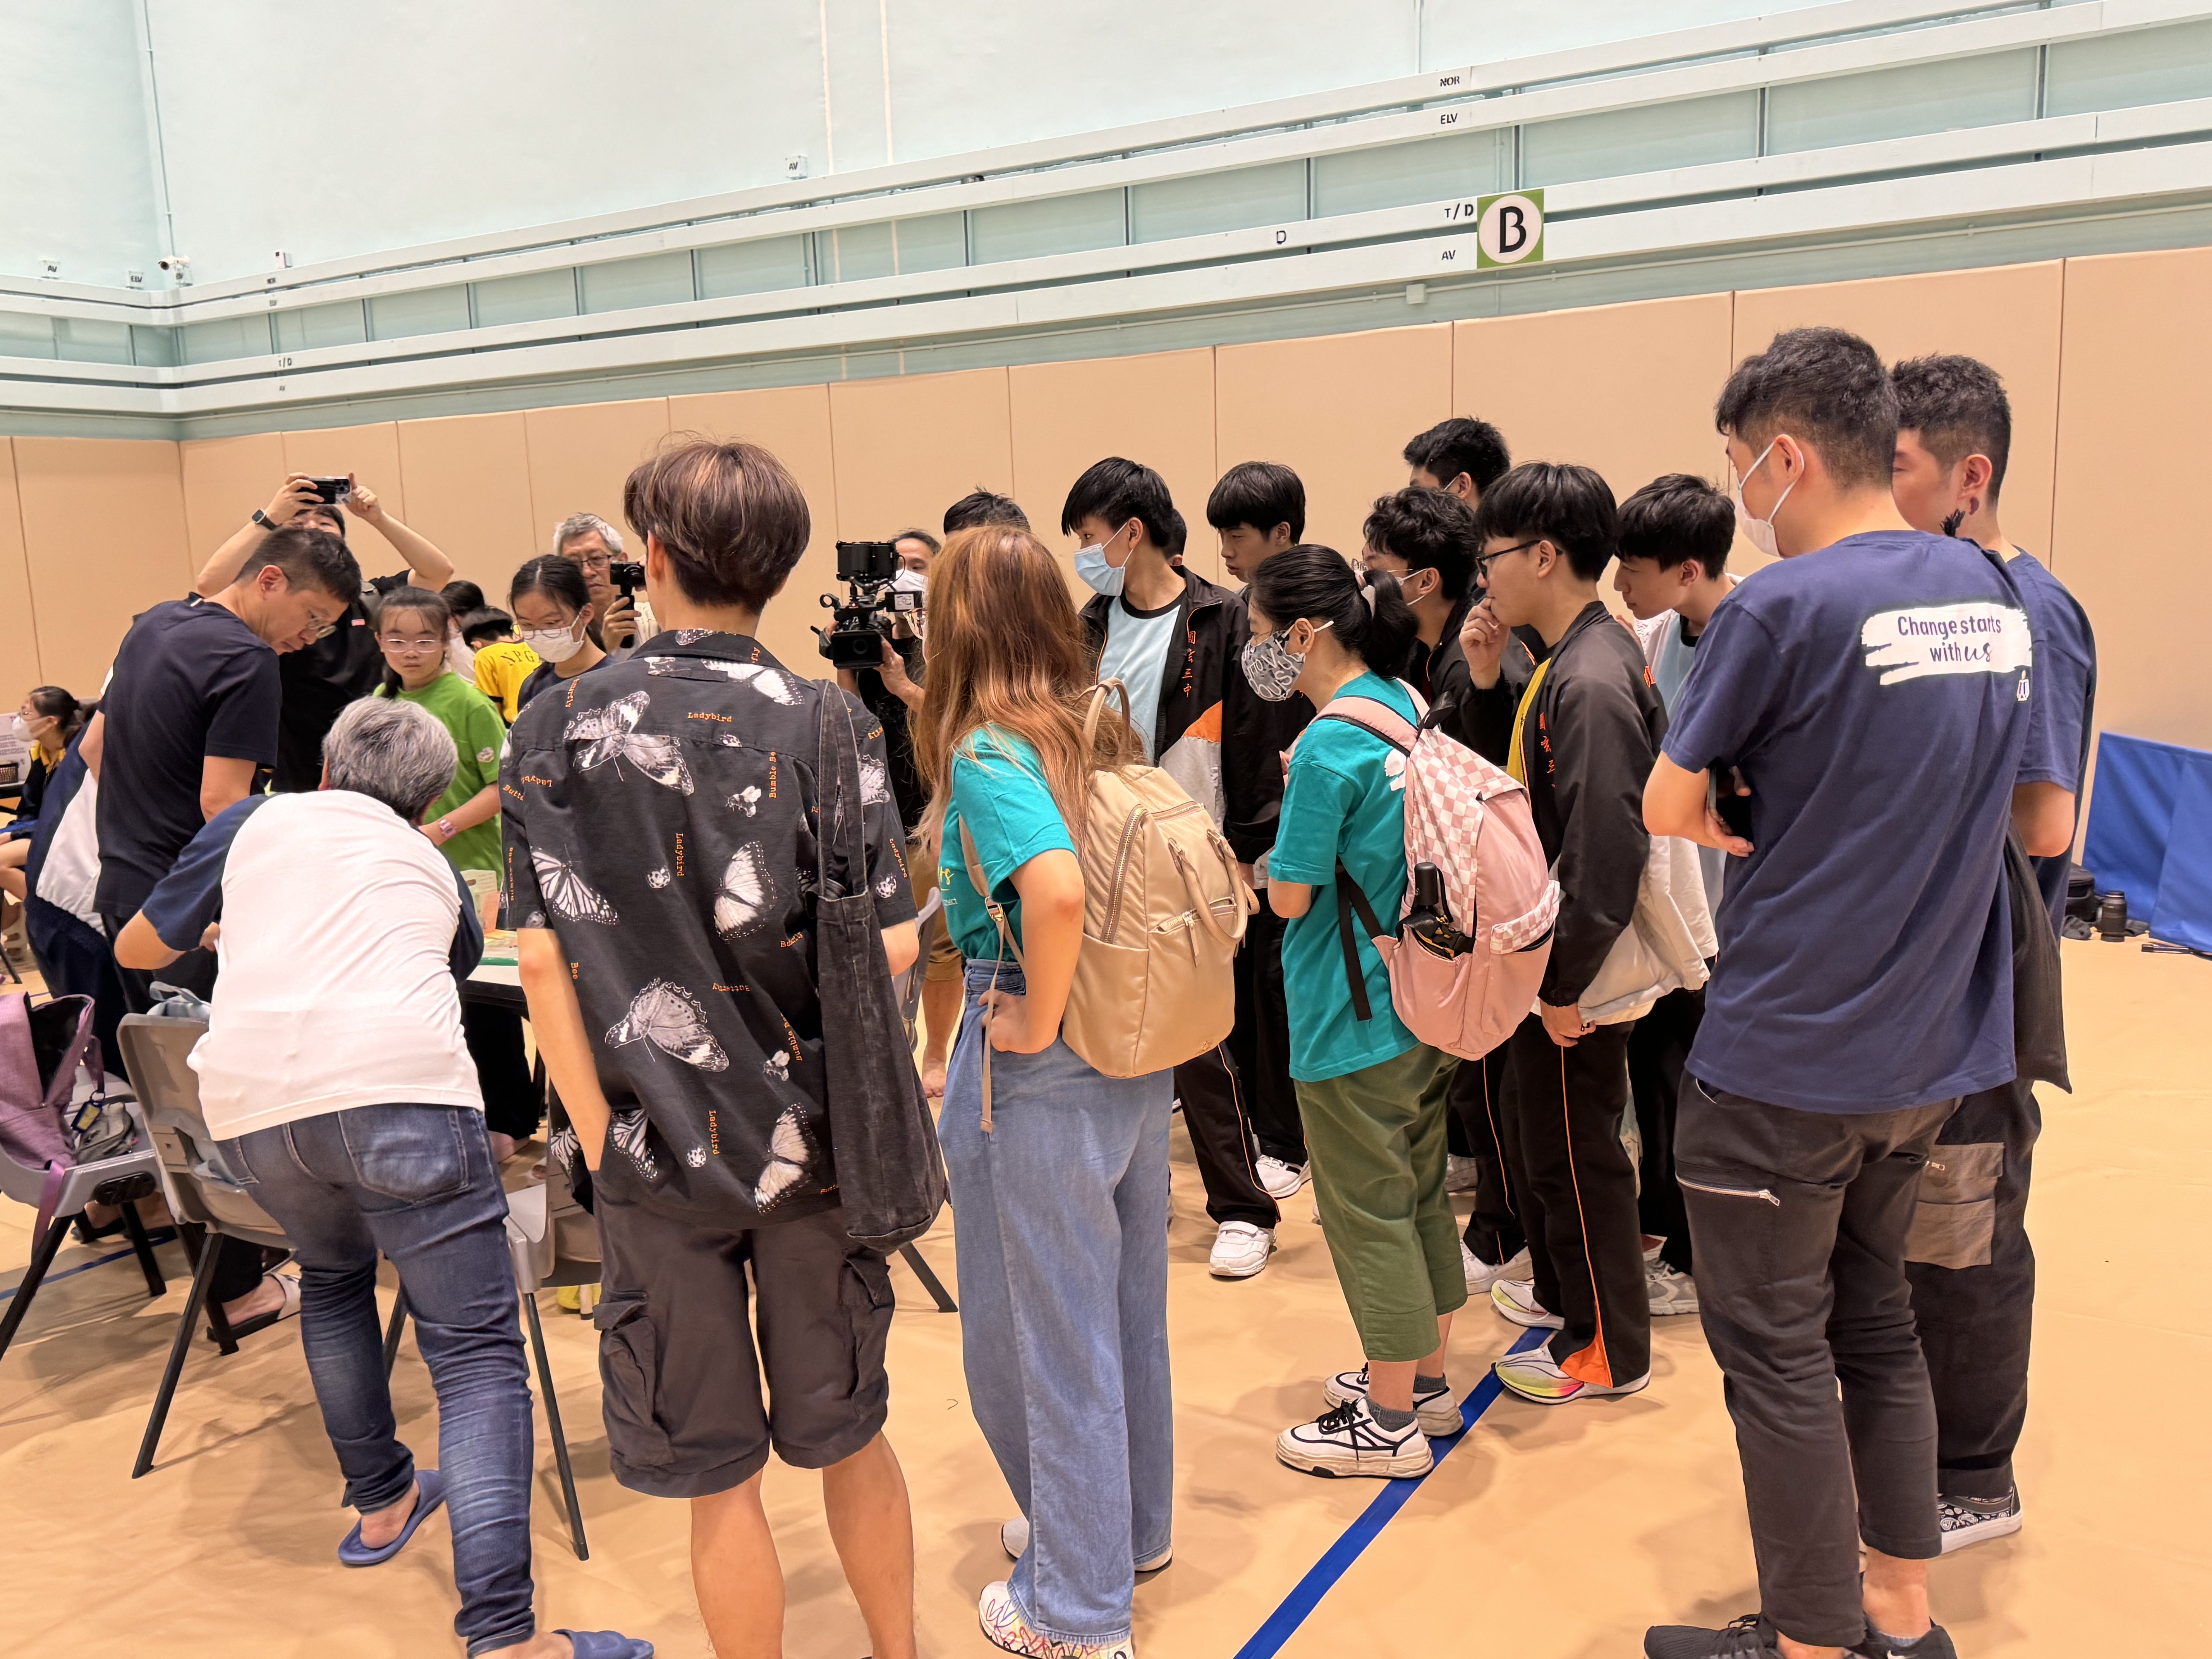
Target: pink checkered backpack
x=1474 y=934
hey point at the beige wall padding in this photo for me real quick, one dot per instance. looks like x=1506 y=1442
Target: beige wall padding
x=94 y=530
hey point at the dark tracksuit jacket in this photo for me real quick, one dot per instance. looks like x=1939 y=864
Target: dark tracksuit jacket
x=1483 y=720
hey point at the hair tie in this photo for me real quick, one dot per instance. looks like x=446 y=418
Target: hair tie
x=1367 y=592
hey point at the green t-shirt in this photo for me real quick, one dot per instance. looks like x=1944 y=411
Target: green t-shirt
x=479 y=735
x=1345 y=799
x=1000 y=792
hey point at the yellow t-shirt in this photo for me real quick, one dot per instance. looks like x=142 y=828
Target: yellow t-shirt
x=501 y=667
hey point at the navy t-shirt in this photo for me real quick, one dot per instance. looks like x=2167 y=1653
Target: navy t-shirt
x=1875 y=693
x=2058 y=715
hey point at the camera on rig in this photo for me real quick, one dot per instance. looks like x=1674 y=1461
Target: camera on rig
x=878 y=605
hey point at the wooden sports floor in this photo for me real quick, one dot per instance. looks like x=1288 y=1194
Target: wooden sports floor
x=1550 y=1534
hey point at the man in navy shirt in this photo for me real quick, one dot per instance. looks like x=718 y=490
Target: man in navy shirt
x=1872 y=690
x=1971 y=1267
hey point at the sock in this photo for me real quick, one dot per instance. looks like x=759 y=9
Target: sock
x=1426 y=1385
x=1390 y=1419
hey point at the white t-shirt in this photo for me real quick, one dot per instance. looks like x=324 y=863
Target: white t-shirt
x=337 y=987
x=1136 y=655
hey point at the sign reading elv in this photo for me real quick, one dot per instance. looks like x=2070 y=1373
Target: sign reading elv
x=1509 y=229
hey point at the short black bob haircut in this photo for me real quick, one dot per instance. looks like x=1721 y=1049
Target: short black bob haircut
x=1958 y=406
x=1118 y=490
x=1678 y=519
x=1569 y=507
x=1430 y=530
x=1461 y=445
x=981 y=508
x=1260 y=493
x=1827 y=389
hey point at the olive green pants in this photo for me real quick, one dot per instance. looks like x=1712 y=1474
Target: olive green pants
x=1375 y=1138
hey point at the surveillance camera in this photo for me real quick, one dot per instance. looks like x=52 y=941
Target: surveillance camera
x=175 y=262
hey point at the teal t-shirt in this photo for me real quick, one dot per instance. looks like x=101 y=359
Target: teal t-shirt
x=1345 y=799
x=1000 y=792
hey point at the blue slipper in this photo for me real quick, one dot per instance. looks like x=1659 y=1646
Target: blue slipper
x=606 y=1645
x=354 y=1553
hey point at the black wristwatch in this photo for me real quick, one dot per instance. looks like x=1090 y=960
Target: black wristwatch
x=265 y=521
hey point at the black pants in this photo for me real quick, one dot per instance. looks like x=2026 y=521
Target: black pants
x=1801 y=1219
x=1578 y=1198
x=1972 y=1272
x=512 y=1104
x=1477 y=1090
x=1213 y=1110
x=1260 y=1041
x=1656 y=1050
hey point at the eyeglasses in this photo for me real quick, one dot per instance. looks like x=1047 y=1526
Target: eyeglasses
x=597 y=561
x=1484 y=560
x=325 y=630
x=409 y=648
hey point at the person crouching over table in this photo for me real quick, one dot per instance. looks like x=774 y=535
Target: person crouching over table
x=342 y=934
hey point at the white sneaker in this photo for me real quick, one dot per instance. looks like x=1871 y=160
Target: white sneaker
x=1240 y=1250
x=1515 y=1299
x=1014 y=1539
x=1278 y=1179
x=1436 y=1413
x=1967 y=1521
x=1461 y=1173
x=1537 y=1377
x=1672 y=1292
x=1004 y=1627
x=1480 y=1275
x=1348 y=1440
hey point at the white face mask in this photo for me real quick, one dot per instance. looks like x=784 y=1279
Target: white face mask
x=556 y=644
x=18 y=728
x=1759 y=532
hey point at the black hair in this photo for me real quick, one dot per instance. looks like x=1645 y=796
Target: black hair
x=483 y=625
x=1676 y=519
x=1958 y=406
x=1178 y=536
x=463 y=597
x=1315 y=583
x=980 y=507
x=1261 y=494
x=914 y=533
x=1430 y=530
x=310 y=559
x=556 y=575
x=336 y=514
x=1827 y=389
x=432 y=608
x=1116 y=491
x=1461 y=445
x=54 y=704
x=1569 y=507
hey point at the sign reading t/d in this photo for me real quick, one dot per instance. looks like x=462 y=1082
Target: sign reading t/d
x=1509 y=229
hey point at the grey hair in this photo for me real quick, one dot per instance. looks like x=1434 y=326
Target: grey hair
x=582 y=524
x=396 y=752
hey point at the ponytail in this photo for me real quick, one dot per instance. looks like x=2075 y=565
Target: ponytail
x=1374 y=622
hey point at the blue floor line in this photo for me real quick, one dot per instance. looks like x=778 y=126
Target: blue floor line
x=1322 y=1576
x=158 y=1236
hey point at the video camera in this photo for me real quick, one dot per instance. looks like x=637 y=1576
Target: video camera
x=855 y=639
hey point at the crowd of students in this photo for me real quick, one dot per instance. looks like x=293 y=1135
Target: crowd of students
x=1809 y=832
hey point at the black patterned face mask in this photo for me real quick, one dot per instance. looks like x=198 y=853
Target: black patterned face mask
x=1272 y=668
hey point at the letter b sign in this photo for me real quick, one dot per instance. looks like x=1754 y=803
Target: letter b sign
x=1509 y=229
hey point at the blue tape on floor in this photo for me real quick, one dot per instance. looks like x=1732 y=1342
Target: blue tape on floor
x=159 y=1235
x=1322 y=1578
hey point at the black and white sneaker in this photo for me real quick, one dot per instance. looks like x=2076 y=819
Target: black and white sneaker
x=1751 y=1637
x=1977 y=1520
x=1348 y=1440
x=1935 y=1644
x=1438 y=1412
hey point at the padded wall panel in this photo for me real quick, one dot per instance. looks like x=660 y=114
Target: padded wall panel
x=371 y=454
x=909 y=448
x=1338 y=410
x=580 y=456
x=104 y=532
x=225 y=480
x=467 y=479
x=792 y=422
x=1157 y=410
x=19 y=636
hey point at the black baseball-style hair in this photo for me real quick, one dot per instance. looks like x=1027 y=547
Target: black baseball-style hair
x=309 y=558
x=462 y=596
x=1315 y=583
x=915 y=533
x=1430 y=530
x=981 y=506
x=1678 y=519
x=1118 y=490
x=1827 y=389
x=1958 y=406
x=1261 y=494
x=1461 y=445
x=1569 y=507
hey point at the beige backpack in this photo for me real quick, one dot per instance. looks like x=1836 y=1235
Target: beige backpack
x=1163 y=911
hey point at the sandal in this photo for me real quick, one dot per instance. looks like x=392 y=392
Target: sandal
x=430 y=1493
x=606 y=1645
x=289 y=1284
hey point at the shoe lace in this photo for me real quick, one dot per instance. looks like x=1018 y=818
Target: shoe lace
x=1741 y=1638
x=1338 y=1419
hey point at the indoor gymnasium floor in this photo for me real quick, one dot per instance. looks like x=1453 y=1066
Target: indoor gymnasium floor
x=1558 y=1534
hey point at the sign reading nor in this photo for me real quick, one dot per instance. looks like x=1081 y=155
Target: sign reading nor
x=1509 y=229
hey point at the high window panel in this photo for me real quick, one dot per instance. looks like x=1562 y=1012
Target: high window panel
x=310 y=326
x=85 y=340
x=936 y=241
x=2118 y=71
x=758 y=267
x=1903 y=102
x=657 y=279
x=152 y=348
x=231 y=336
x=1058 y=224
x=1404 y=175
x=531 y=298
x=1611 y=143
x=1208 y=202
x=22 y=335
x=421 y=311
x=855 y=254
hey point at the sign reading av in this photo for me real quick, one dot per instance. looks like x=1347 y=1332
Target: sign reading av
x=1509 y=229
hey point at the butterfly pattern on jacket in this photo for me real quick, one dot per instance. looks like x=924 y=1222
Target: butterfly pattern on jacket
x=610 y=736
x=670 y=1017
x=629 y=1131
x=573 y=898
x=771 y=683
x=747 y=894
x=789 y=1153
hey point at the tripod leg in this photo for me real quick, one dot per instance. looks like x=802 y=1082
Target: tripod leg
x=930 y=1282
x=391 y=1331
x=157 y=1282
x=20 y=1303
x=553 y=1423
x=203 y=1276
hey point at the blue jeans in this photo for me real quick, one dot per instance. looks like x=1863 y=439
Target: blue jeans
x=1062 y=1249
x=417 y=1183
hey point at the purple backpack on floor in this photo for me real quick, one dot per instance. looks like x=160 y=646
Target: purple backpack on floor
x=41 y=1046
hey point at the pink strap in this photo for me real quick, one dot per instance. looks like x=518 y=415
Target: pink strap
x=1377 y=716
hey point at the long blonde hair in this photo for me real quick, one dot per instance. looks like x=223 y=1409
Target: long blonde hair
x=1007 y=648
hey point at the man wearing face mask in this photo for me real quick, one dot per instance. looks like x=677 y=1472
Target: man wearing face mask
x=1171 y=637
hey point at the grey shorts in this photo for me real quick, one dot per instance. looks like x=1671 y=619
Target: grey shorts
x=682 y=1371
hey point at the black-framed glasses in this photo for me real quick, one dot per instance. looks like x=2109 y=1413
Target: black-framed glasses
x=1484 y=560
